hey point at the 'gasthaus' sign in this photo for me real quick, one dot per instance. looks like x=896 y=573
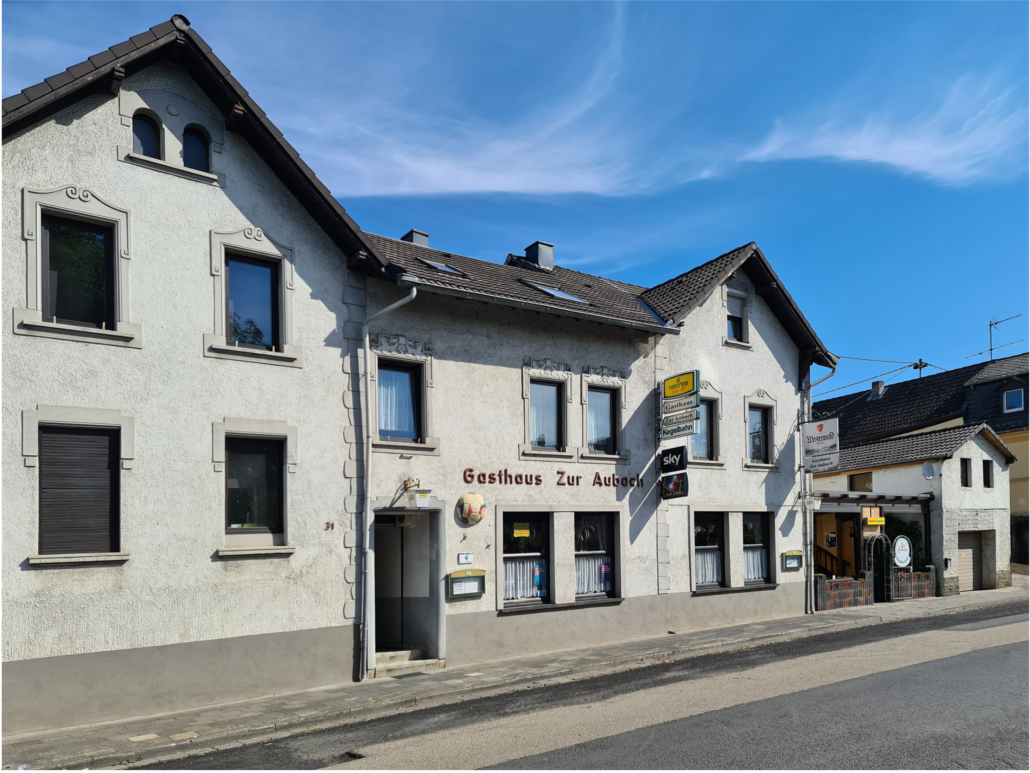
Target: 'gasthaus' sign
x=820 y=443
x=557 y=478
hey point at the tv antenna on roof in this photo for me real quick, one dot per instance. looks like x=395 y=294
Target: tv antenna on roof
x=991 y=326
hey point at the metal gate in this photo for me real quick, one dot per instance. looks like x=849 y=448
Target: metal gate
x=901 y=583
x=891 y=582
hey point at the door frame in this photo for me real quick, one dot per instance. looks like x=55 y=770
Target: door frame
x=434 y=510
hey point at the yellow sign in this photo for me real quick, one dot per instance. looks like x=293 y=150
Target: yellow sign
x=683 y=384
x=520 y=530
x=874 y=521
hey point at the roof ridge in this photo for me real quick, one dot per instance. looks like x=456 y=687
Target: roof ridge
x=914 y=435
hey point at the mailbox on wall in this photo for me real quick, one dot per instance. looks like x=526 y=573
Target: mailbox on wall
x=793 y=559
x=466 y=583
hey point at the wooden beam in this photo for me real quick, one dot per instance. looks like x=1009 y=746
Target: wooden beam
x=235 y=117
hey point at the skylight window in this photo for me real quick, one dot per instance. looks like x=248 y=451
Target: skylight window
x=554 y=292
x=443 y=268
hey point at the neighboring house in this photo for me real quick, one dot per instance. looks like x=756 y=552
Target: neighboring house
x=994 y=393
x=185 y=407
x=966 y=524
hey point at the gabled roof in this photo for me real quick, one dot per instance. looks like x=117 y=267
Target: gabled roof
x=604 y=300
x=675 y=299
x=939 y=444
x=917 y=403
x=176 y=41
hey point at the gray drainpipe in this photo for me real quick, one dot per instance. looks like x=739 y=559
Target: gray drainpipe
x=366 y=507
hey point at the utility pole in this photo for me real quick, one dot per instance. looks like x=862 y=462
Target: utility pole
x=919 y=366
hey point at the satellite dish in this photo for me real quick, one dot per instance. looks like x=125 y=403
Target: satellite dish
x=928 y=470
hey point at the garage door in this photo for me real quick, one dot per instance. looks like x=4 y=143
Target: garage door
x=969 y=554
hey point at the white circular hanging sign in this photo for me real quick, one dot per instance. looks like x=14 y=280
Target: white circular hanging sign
x=902 y=551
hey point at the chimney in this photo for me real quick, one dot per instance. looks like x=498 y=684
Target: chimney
x=421 y=238
x=878 y=390
x=541 y=255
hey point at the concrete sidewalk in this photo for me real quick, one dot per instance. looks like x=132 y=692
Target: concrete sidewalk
x=147 y=740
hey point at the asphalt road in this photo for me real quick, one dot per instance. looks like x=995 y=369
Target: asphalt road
x=942 y=692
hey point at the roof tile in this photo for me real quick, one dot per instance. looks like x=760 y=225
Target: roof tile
x=61 y=79
x=162 y=29
x=940 y=444
x=37 y=91
x=671 y=297
x=15 y=101
x=143 y=38
x=123 y=48
x=80 y=69
x=104 y=57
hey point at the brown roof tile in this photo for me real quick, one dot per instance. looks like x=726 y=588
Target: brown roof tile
x=123 y=48
x=82 y=68
x=143 y=38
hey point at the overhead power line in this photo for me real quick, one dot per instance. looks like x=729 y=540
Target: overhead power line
x=866 y=359
x=847 y=386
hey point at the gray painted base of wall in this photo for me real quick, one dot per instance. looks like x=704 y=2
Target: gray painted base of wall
x=483 y=636
x=52 y=693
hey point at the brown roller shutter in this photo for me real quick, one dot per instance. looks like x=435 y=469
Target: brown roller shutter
x=78 y=490
x=970 y=550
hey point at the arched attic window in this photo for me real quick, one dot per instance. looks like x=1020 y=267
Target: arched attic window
x=195 y=149
x=146 y=136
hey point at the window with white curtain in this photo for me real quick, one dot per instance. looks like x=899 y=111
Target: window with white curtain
x=602 y=421
x=756 y=547
x=595 y=555
x=526 y=549
x=545 y=415
x=708 y=549
x=399 y=401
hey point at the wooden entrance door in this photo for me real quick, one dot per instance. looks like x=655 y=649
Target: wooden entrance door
x=970 y=552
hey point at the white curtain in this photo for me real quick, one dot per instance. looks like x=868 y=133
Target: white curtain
x=525 y=578
x=593 y=574
x=396 y=408
x=709 y=566
x=599 y=421
x=543 y=414
x=755 y=563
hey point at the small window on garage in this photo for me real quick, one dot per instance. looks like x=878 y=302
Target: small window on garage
x=967 y=472
x=988 y=468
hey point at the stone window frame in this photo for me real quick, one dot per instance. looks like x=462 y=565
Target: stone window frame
x=733 y=530
x=251 y=241
x=173 y=113
x=739 y=289
x=264 y=544
x=74 y=416
x=552 y=371
x=614 y=381
x=74 y=202
x=708 y=393
x=405 y=351
x=760 y=398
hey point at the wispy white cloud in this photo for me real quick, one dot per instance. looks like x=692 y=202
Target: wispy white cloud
x=978 y=132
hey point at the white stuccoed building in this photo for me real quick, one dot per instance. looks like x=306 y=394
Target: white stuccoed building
x=184 y=444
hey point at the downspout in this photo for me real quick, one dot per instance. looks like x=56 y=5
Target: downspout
x=808 y=530
x=366 y=507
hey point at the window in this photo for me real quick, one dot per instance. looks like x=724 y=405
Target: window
x=554 y=292
x=756 y=547
x=546 y=416
x=443 y=268
x=78 y=490
x=758 y=435
x=862 y=481
x=736 y=316
x=967 y=472
x=708 y=553
x=254 y=485
x=146 y=136
x=702 y=445
x=195 y=150
x=78 y=273
x=527 y=541
x=602 y=421
x=1012 y=400
x=988 y=469
x=253 y=302
x=400 y=408
x=595 y=555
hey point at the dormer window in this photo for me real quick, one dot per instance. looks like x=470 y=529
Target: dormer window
x=554 y=292
x=443 y=268
x=195 y=147
x=1012 y=401
x=146 y=136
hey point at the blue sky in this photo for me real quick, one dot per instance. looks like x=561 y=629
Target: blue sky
x=877 y=152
